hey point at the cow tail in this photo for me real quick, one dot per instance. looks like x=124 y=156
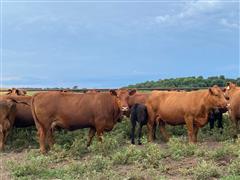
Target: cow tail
x=36 y=120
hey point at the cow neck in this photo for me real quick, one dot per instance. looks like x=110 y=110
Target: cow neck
x=131 y=101
x=234 y=91
x=206 y=102
x=118 y=113
x=118 y=103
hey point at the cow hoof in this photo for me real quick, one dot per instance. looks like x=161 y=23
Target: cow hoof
x=139 y=143
x=235 y=136
x=166 y=140
x=43 y=152
x=133 y=142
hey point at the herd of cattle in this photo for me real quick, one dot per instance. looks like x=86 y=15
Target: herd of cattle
x=100 y=111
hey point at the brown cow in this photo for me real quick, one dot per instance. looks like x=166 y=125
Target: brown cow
x=190 y=108
x=233 y=93
x=24 y=116
x=7 y=117
x=97 y=111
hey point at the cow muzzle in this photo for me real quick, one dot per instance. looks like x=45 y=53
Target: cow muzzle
x=124 y=109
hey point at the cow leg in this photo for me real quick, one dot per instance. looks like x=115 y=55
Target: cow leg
x=133 y=123
x=189 y=124
x=100 y=135
x=235 y=124
x=91 y=134
x=42 y=139
x=237 y=127
x=163 y=131
x=140 y=133
x=50 y=139
x=150 y=132
x=6 y=129
x=211 y=123
x=1 y=139
x=1 y=145
x=195 y=133
x=5 y=136
x=220 y=123
x=154 y=131
x=150 y=123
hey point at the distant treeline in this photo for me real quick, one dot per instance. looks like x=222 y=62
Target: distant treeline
x=187 y=82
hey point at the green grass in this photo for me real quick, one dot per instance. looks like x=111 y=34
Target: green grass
x=116 y=158
x=206 y=170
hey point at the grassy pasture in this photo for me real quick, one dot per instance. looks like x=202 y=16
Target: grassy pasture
x=215 y=156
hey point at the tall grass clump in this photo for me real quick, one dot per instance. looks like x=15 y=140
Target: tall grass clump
x=178 y=148
x=205 y=170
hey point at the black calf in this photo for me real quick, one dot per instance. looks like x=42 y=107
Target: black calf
x=216 y=115
x=138 y=114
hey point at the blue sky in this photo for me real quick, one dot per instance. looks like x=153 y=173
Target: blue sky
x=113 y=44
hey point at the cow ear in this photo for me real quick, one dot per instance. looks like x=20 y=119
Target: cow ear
x=210 y=91
x=9 y=91
x=224 y=90
x=230 y=85
x=113 y=92
x=132 y=92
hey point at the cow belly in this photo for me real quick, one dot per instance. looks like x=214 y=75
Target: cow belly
x=72 y=124
x=76 y=126
x=20 y=123
x=176 y=122
x=172 y=117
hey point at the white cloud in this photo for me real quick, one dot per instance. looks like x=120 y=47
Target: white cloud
x=199 y=7
x=228 y=24
x=191 y=9
x=10 y=78
x=163 y=19
x=201 y=11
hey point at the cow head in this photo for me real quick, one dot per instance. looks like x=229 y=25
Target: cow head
x=123 y=96
x=17 y=92
x=230 y=89
x=217 y=98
